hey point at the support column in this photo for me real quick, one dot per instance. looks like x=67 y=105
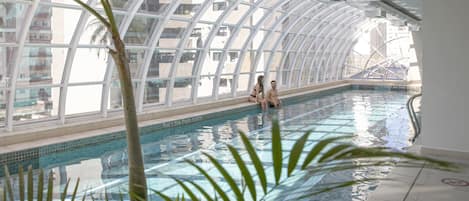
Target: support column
x=445 y=109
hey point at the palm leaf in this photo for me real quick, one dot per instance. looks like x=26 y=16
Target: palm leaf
x=94 y=13
x=296 y=152
x=21 y=182
x=40 y=185
x=30 y=184
x=84 y=196
x=210 y=179
x=50 y=187
x=108 y=10
x=255 y=160
x=317 y=149
x=276 y=151
x=76 y=190
x=335 y=150
x=8 y=184
x=244 y=171
x=228 y=178
x=163 y=196
x=64 y=193
x=186 y=189
x=3 y=195
x=201 y=190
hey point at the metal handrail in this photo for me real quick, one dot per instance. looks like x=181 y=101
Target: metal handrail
x=413 y=115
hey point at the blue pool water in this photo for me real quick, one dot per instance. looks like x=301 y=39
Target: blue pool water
x=372 y=117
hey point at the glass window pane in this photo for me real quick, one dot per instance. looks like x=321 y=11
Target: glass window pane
x=243 y=82
x=241 y=39
x=262 y=61
x=187 y=10
x=172 y=34
x=11 y=19
x=115 y=97
x=36 y=103
x=182 y=89
x=89 y=60
x=226 y=83
x=199 y=35
x=276 y=59
x=155 y=91
x=186 y=63
x=272 y=40
x=6 y=62
x=248 y=61
x=71 y=2
x=140 y=30
x=95 y=33
x=53 y=25
x=205 y=86
x=42 y=65
x=236 y=14
x=82 y=99
x=136 y=59
x=2 y=106
x=160 y=64
x=154 y=7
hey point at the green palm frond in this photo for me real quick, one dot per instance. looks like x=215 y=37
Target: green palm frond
x=326 y=156
x=296 y=152
x=256 y=161
x=247 y=178
x=201 y=190
x=277 y=151
x=30 y=184
x=228 y=178
x=7 y=193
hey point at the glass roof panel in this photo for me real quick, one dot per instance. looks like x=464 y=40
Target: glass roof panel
x=140 y=30
x=154 y=7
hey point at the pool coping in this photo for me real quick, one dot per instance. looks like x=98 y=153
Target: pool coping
x=51 y=140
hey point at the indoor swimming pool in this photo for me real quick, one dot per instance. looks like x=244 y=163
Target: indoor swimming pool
x=371 y=117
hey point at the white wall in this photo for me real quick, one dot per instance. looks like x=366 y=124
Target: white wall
x=445 y=109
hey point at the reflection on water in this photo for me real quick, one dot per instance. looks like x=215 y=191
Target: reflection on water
x=372 y=117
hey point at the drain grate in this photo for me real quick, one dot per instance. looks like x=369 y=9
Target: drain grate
x=455 y=182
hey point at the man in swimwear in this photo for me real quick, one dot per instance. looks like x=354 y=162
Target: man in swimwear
x=272 y=96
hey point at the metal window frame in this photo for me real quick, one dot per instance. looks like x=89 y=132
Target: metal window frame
x=346 y=50
x=154 y=38
x=285 y=34
x=180 y=50
x=11 y=92
x=348 y=36
x=327 y=11
x=260 y=50
x=200 y=61
x=234 y=88
x=320 y=58
x=238 y=27
x=329 y=25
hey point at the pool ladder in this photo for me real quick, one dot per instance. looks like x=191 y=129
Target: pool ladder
x=416 y=124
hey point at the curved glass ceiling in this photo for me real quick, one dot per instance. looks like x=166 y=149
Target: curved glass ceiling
x=54 y=65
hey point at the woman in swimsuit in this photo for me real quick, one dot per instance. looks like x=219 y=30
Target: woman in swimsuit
x=257 y=94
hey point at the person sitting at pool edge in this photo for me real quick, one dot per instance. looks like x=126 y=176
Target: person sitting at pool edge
x=257 y=94
x=272 y=96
